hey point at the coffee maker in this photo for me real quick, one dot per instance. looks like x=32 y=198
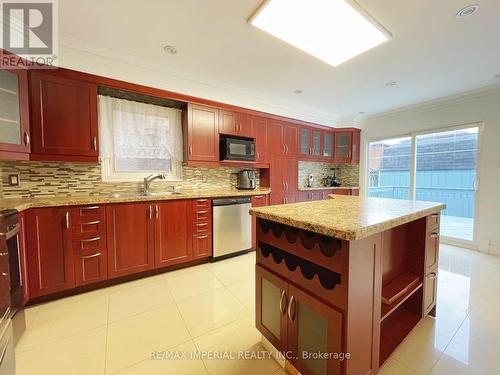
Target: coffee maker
x=247 y=180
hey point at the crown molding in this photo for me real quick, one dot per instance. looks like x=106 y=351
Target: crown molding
x=436 y=104
x=264 y=103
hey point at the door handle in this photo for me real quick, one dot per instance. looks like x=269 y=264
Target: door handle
x=66 y=218
x=286 y=148
x=94 y=143
x=156 y=211
x=291 y=315
x=150 y=212
x=190 y=150
x=26 y=138
x=91 y=256
x=283 y=302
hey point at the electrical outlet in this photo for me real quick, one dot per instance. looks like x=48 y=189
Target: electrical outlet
x=14 y=179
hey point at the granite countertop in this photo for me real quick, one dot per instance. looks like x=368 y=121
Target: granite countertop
x=22 y=204
x=348 y=217
x=327 y=188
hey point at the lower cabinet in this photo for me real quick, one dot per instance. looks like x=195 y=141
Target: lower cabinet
x=49 y=251
x=257 y=201
x=299 y=324
x=201 y=233
x=130 y=238
x=171 y=232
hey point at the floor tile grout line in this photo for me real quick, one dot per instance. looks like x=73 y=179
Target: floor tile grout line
x=107 y=331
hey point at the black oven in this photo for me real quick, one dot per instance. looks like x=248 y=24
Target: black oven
x=237 y=149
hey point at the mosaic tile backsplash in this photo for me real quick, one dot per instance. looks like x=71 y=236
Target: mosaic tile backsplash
x=43 y=179
x=348 y=174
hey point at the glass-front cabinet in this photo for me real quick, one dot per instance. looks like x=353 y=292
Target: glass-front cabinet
x=328 y=145
x=14 y=114
x=343 y=142
x=316 y=143
x=305 y=136
x=298 y=324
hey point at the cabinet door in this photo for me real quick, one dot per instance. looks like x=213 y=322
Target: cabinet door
x=313 y=328
x=64 y=118
x=91 y=263
x=290 y=173
x=171 y=232
x=432 y=250
x=202 y=245
x=271 y=300
x=278 y=175
x=130 y=236
x=316 y=143
x=49 y=251
x=343 y=147
x=290 y=139
x=304 y=196
x=14 y=109
x=341 y=191
x=328 y=145
x=203 y=133
x=228 y=122
x=257 y=201
x=305 y=142
x=430 y=291
x=275 y=144
x=261 y=144
x=245 y=125
x=356 y=146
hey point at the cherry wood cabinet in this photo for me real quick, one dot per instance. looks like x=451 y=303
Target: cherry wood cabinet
x=130 y=230
x=311 y=143
x=296 y=322
x=14 y=119
x=64 y=118
x=202 y=133
x=343 y=146
x=201 y=234
x=356 y=146
x=283 y=180
x=234 y=123
x=49 y=251
x=171 y=232
x=283 y=139
x=290 y=139
x=257 y=201
x=261 y=144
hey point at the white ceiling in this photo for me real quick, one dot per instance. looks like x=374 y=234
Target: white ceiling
x=432 y=53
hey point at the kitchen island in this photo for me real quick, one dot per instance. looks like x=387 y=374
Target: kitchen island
x=341 y=282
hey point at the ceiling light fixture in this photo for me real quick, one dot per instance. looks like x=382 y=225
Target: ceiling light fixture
x=361 y=113
x=497 y=76
x=392 y=83
x=467 y=11
x=170 y=49
x=298 y=91
x=333 y=31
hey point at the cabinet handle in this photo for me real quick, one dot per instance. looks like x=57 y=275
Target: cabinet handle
x=201 y=237
x=66 y=218
x=286 y=149
x=91 y=239
x=91 y=256
x=283 y=302
x=434 y=235
x=89 y=208
x=202 y=212
x=432 y=275
x=150 y=212
x=201 y=200
x=291 y=315
x=190 y=150
x=259 y=197
x=92 y=222
x=94 y=143
x=258 y=155
x=156 y=211
x=26 y=138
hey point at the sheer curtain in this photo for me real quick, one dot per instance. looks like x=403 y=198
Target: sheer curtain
x=138 y=139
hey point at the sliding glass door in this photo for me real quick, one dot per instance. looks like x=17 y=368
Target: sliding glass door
x=446 y=172
x=439 y=167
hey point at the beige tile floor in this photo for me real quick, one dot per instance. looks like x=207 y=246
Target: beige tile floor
x=211 y=308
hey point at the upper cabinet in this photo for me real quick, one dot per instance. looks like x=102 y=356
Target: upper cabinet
x=282 y=139
x=316 y=144
x=327 y=144
x=347 y=146
x=202 y=133
x=64 y=118
x=234 y=123
x=259 y=125
x=14 y=114
x=356 y=146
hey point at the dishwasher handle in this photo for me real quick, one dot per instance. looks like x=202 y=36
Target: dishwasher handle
x=230 y=201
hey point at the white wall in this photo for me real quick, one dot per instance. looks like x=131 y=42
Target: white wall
x=480 y=106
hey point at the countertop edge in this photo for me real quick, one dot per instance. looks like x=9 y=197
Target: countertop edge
x=23 y=204
x=328 y=188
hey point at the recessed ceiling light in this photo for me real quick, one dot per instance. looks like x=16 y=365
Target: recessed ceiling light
x=298 y=91
x=170 y=49
x=392 y=83
x=467 y=11
x=333 y=31
x=497 y=76
x=361 y=113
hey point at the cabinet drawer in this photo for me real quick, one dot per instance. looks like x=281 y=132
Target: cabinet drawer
x=202 y=245
x=202 y=215
x=430 y=290
x=202 y=203
x=90 y=245
x=202 y=227
x=90 y=268
x=433 y=222
x=259 y=200
x=89 y=228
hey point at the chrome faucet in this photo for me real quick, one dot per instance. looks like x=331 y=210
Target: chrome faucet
x=149 y=179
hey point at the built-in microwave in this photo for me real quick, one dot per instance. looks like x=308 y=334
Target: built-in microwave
x=232 y=148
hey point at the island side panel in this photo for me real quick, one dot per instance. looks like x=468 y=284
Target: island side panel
x=363 y=311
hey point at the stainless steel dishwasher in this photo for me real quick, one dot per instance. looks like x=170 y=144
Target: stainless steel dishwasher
x=232 y=227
